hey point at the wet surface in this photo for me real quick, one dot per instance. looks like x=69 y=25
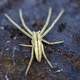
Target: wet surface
x=64 y=57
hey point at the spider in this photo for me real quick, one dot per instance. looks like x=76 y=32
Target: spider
x=37 y=37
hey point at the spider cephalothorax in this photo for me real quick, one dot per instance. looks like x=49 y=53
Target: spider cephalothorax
x=37 y=37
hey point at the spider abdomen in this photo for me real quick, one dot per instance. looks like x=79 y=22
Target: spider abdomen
x=37 y=46
x=38 y=51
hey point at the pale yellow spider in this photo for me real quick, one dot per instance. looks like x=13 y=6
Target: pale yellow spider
x=37 y=37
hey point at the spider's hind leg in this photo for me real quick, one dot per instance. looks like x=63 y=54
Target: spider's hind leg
x=30 y=59
x=46 y=57
x=30 y=62
x=51 y=43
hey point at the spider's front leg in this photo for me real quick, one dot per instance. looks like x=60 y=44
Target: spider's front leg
x=51 y=43
x=25 y=45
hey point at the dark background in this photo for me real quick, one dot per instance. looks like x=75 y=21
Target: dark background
x=64 y=57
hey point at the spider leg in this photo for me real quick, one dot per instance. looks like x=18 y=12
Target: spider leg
x=54 y=22
x=51 y=43
x=23 y=22
x=46 y=57
x=25 y=45
x=14 y=23
x=47 y=21
x=30 y=62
